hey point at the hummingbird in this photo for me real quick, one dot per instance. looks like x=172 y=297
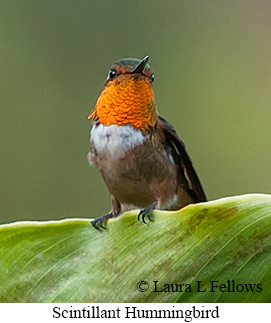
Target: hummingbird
x=139 y=155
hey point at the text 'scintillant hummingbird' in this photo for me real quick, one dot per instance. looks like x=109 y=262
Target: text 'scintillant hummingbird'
x=138 y=153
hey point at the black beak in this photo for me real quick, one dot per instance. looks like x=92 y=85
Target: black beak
x=140 y=67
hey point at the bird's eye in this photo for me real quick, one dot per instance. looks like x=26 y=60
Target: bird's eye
x=152 y=78
x=112 y=73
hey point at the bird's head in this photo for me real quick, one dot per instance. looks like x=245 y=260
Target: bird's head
x=127 y=97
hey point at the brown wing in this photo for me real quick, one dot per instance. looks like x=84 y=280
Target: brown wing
x=188 y=176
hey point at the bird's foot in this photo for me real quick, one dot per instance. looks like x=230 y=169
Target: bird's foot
x=98 y=223
x=146 y=213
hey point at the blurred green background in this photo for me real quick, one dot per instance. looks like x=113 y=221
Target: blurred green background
x=212 y=63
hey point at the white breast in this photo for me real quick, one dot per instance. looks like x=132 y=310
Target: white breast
x=115 y=141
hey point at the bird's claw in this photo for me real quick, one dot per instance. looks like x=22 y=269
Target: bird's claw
x=98 y=223
x=146 y=213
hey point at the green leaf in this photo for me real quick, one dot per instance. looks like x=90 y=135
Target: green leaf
x=228 y=240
